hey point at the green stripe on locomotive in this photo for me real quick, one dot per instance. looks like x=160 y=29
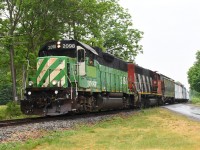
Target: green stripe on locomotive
x=53 y=69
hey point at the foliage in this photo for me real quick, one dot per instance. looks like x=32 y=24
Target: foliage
x=120 y=38
x=195 y=97
x=194 y=93
x=11 y=11
x=194 y=74
x=5 y=94
x=5 y=80
x=196 y=100
x=104 y=24
x=11 y=111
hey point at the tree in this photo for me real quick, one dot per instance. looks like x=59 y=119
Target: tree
x=194 y=74
x=25 y=25
x=103 y=23
x=11 y=9
x=120 y=38
x=5 y=80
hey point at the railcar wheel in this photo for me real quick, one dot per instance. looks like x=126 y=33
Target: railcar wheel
x=161 y=101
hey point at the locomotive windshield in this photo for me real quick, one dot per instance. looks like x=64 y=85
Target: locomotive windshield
x=58 y=52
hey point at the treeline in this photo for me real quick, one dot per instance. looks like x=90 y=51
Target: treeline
x=25 y=25
x=194 y=79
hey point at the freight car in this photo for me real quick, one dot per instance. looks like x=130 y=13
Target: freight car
x=181 y=94
x=74 y=77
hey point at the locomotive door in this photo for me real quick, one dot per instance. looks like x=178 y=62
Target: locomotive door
x=81 y=61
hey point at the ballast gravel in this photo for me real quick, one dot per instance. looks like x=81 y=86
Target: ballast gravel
x=36 y=130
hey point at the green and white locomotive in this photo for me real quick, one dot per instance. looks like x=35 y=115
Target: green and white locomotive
x=74 y=77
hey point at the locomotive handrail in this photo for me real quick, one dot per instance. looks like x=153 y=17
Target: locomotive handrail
x=70 y=83
x=75 y=79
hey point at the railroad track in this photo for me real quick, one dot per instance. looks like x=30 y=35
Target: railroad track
x=17 y=122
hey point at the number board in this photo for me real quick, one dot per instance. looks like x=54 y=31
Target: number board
x=60 y=45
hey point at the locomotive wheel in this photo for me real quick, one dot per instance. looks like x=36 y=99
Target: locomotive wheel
x=141 y=105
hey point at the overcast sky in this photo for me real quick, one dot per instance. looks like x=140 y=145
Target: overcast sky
x=171 y=34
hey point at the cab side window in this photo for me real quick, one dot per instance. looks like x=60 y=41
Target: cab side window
x=91 y=59
x=81 y=55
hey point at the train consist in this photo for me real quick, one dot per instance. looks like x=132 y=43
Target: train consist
x=74 y=77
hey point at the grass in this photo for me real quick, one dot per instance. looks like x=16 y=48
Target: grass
x=150 y=129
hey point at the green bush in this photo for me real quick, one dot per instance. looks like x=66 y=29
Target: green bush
x=196 y=100
x=13 y=110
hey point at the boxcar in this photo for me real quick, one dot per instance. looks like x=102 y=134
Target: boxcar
x=168 y=89
x=181 y=94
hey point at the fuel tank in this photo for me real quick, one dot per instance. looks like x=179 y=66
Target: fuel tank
x=113 y=101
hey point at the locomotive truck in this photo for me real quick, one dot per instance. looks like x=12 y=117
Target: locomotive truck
x=72 y=76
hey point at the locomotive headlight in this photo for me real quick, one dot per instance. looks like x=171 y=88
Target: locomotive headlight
x=30 y=83
x=56 y=92
x=29 y=92
x=54 y=82
x=58 y=44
